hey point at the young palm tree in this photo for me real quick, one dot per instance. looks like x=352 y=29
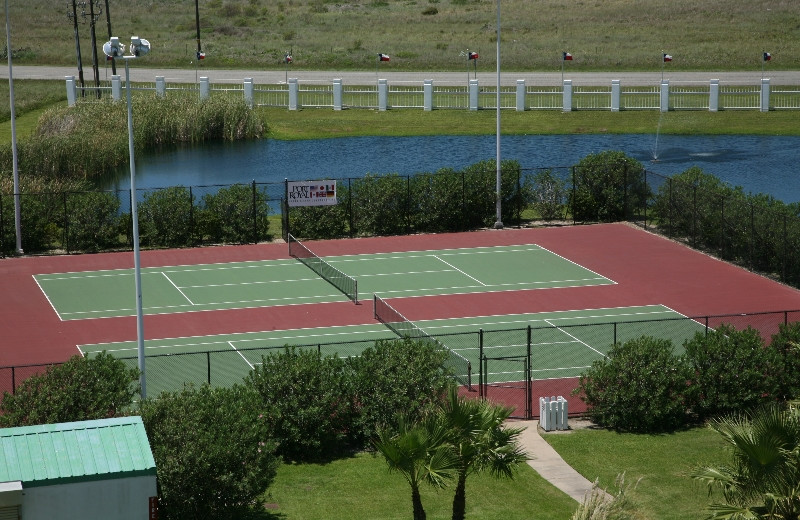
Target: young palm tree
x=480 y=442
x=763 y=481
x=419 y=451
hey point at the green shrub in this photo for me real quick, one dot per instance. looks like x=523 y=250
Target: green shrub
x=398 y=375
x=547 y=194
x=93 y=222
x=165 y=217
x=309 y=401
x=321 y=221
x=731 y=371
x=786 y=344
x=228 y=216
x=212 y=451
x=639 y=387
x=608 y=186
x=78 y=390
x=380 y=204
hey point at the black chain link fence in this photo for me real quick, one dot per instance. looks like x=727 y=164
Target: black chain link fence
x=513 y=366
x=754 y=231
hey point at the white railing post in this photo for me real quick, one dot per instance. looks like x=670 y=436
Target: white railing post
x=161 y=86
x=72 y=92
x=616 y=95
x=566 y=104
x=116 y=87
x=427 y=94
x=337 y=94
x=248 y=92
x=473 y=94
x=293 y=91
x=204 y=87
x=520 y=95
x=765 y=94
x=383 y=95
x=665 y=95
x=713 y=96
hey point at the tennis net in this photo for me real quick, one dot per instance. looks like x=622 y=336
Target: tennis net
x=459 y=366
x=347 y=284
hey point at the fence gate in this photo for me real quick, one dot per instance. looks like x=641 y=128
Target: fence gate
x=507 y=380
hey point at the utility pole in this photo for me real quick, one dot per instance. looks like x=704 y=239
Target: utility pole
x=74 y=16
x=92 y=19
x=108 y=23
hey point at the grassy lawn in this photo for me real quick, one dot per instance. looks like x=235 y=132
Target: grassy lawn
x=660 y=464
x=362 y=488
x=424 y=34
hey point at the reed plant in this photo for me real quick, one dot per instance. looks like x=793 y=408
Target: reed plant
x=91 y=138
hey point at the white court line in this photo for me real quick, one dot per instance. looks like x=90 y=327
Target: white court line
x=47 y=297
x=255 y=303
x=575 y=338
x=459 y=270
x=242 y=356
x=177 y=288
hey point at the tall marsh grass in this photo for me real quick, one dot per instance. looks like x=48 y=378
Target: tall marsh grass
x=91 y=138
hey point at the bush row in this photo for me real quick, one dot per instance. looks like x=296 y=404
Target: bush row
x=447 y=200
x=642 y=386
x=756 y=231
x=217 y=449
x=172 y=217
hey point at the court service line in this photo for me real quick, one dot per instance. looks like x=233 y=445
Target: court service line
x=573 y=337
x=177 y=288
x=459 y=270
x=241 y=355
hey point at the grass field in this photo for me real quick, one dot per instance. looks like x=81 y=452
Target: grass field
x=425 y=34
x=656 y=467
x=659 y=463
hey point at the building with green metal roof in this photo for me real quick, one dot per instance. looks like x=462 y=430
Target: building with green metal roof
x=102 y=469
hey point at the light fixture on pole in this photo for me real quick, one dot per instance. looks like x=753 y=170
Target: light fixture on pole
x=115 y=50
x=498 y=197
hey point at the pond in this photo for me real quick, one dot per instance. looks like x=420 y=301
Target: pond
x=760 y=164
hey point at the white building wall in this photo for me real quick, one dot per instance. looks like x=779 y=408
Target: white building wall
x=113 y=499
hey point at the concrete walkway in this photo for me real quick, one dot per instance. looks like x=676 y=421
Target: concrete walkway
x=549 y=464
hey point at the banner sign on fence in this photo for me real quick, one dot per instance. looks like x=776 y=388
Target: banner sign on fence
x=312 y=193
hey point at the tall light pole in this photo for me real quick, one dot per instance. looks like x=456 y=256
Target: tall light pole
x=17 y=216
x=114 y=50
x=498 y=196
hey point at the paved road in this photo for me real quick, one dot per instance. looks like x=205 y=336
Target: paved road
x=439 y=78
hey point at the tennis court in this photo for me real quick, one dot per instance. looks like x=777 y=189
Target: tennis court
x=561 y=344
x=236 y=285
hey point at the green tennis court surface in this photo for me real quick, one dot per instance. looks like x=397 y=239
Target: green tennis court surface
x=101 y=294
x=562 y=344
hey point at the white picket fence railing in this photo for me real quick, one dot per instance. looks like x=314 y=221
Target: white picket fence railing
x=404 y=95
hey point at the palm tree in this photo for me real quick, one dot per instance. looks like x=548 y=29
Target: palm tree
x=480 y=442
x=419 y=451
x=763 y=481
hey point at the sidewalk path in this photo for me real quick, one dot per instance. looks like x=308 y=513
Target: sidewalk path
x=549 y=464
